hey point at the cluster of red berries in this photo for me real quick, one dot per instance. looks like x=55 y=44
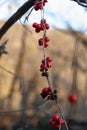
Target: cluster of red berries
x=39 y=4
x=45 y=64
x=44 y=41
x=47 y=93
x=72 y=98
x=56 y=121
x=40 y=26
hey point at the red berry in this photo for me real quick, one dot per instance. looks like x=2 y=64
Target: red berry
x=34 y=25
x=56 y=118
x=38 y=26
x=49 y=59
x=46 y=62
x=72 y=98
x=47 y=39
x=45 y=44
x=36 y=8
x=40 y=41
x=51 y=122
x=37 y=30
x=49 y=89
x=49 y=65
x=40 y=5
x=47 y=26
x=46 y=90
x=57 y=126
x=62 y=122
x=45 y=1
x=56 y=121
x=42 y=66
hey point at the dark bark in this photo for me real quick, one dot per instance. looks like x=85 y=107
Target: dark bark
x=82 y=3
x=17 y=15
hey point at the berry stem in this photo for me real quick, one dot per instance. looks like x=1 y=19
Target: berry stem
x=44 y=32
x=46 y=93
x=58 y=106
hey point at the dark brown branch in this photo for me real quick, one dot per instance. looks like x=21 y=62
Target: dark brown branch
x=17 y=15
x=82 y=3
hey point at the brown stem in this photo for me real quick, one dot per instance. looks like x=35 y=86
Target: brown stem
x=82 y=3
x=58 y=106
x=17 y=15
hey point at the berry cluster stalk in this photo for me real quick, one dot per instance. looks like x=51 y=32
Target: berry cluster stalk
x=47 y=93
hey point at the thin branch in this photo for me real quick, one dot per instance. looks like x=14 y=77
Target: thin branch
x=82 y=3
x=26 y=18
x=17 y=15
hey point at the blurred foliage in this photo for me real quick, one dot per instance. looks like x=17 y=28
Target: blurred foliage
x=23 y=59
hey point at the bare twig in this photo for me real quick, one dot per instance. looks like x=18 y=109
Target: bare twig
x=2 y=48
x=82 y=3
x=26 y=18
x=24 y=26
x=17 y=15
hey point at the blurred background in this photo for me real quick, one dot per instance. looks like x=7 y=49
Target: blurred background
x=21 y=106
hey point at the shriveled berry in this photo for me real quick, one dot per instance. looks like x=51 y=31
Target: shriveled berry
x=53 y=96
x=55 y=91
x=43 y=21
x=45 y=74
x=48 y=59
x=44 y=95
